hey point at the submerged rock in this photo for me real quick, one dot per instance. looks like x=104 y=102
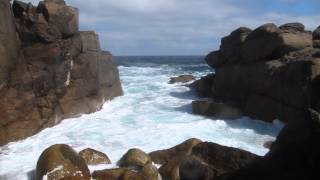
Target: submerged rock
x=216 y=110
x=61 y=162
x=182 y=79
x=93 y=157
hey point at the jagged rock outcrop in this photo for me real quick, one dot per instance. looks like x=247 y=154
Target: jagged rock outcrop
x=49 y=69
x=269 y=73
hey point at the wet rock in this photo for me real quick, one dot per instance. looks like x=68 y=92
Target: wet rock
x=61 y=161
x=183 y=149
x=217 y=110
x=135 y=158
x=268 y=144
x=93 y=157
x=181 y=79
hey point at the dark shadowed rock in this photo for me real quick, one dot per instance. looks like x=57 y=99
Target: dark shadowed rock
x=293 y=27
x=316 y=34
x=292 y=156
x=221 y=158
x=268 y=144
x=231 y=46
x=192 y=168
x=183 y=149
x=217 y=110
x=204 y=87
x=61 y=161
x=182 y=79
x=93 y=157
x=215 y=59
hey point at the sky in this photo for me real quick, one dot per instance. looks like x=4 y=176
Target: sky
x=183 y=27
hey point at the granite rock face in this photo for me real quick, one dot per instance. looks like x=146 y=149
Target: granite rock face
x=269 y=73
x=49 y=71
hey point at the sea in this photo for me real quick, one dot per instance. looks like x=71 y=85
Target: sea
x=152 y=115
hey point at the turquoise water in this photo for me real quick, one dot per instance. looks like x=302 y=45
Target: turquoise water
x=151 y=115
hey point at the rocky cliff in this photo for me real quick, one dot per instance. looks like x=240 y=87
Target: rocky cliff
x=49 y=70
x=268 y=73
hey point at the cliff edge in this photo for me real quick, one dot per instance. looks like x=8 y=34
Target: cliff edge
x=49 y=70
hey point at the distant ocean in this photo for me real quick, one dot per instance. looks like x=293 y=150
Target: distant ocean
x=152 y=115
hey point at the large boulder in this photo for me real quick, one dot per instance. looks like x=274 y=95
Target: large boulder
x=94 y=157
x=135 y=158
x=217 y=110
x=183 y=149
x=61 y=161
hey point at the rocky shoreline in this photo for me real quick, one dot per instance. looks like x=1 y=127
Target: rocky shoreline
x=268 y=73
x=49 y=70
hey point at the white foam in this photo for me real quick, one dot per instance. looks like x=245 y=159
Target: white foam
x=151 y=115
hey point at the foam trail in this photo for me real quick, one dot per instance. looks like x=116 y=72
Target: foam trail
x=151 y=115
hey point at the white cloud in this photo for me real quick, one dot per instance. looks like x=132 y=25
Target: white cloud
x=168 y=26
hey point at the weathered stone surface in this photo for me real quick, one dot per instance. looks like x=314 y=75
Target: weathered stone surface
x=94 y=157
x=221 y=158
x=61 y=161
x=183 y=149
x=57 y=73
x=215 y=109
x=9 y=43
x=269 y=73
x=134 y=158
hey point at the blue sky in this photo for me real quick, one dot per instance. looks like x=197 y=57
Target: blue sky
x=183 y=27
